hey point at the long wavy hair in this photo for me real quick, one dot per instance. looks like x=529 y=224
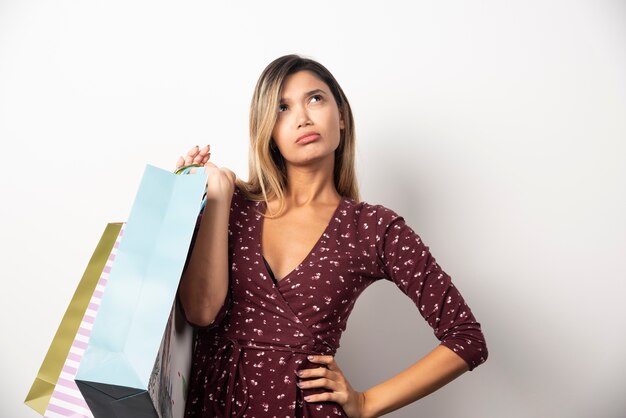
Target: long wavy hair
x=267 y=174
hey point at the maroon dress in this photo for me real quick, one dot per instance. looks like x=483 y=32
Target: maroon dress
x=244 y=362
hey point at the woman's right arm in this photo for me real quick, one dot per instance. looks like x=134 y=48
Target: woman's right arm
x=204 y=283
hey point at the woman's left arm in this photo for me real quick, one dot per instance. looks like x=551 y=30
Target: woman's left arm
x=430 y=373
x=405 y=260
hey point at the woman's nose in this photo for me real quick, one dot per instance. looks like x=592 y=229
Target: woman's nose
x=302 y=117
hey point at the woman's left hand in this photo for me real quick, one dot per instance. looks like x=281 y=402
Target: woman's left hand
x=332 y=378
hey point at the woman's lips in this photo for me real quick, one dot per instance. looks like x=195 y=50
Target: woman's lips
x=307 y=139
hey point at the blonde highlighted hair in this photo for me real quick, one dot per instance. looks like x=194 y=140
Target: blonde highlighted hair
x=267 y=176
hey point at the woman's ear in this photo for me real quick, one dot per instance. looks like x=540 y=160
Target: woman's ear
x=341 y=122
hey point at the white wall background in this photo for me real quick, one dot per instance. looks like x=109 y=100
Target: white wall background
x=497 y=128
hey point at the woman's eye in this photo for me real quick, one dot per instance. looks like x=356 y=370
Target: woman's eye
x=317 y=97
x=282 y=107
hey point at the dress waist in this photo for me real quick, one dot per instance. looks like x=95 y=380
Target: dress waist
x=232 y=373
x=304 y=348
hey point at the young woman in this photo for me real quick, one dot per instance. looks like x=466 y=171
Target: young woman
x=279 y=261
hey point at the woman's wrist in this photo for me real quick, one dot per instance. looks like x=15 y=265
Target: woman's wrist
x=367 y=410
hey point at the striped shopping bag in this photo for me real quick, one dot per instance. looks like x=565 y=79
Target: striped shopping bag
x=66 y=399
x=39 y=395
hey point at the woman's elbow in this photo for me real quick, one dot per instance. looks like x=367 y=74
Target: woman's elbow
x=470 y=345
x=479 y=352
x=200 y=318
x=203 y=313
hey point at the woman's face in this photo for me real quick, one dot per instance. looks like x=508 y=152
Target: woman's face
x=308 y=125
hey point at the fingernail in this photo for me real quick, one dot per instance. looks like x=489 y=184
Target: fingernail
x=307 y=398
x=310 y=357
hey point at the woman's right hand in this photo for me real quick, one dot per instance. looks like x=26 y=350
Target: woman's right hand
x=220 y=180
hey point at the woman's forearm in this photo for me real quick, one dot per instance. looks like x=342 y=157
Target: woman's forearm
x=431 y=372
x=204 y=284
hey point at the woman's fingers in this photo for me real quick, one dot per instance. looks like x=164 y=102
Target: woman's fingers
x=327 y=360
x=191 y=155
x=205 y=150
x=317 y=372
x=192 y=152
x=332 y=378
x=327 y=377
x=204 y=154
x=219 y=178
x=323 y=397
x=197 y=155
x=323 y=382
x=180 y=162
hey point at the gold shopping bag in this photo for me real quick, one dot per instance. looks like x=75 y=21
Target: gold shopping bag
x=41 y=390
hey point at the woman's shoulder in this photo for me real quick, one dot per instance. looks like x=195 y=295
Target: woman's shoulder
x=372 y=213
x=242 y=200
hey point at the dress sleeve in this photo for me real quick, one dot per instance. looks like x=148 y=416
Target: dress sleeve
x=407 y=261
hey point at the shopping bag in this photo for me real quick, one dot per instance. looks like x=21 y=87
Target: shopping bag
x=168 y=383
x=121 y=372
x=41 y=390
x=66 y=399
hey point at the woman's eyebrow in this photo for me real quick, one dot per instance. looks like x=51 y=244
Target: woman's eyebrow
x=308 y=93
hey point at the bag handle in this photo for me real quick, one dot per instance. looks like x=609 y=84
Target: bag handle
x=186 y=169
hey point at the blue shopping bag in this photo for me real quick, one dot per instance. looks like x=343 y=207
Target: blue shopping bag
x=124 y=356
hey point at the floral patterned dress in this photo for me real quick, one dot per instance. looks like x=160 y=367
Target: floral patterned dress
x=245 y=361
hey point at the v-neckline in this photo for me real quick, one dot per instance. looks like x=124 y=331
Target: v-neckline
x=278 y=282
